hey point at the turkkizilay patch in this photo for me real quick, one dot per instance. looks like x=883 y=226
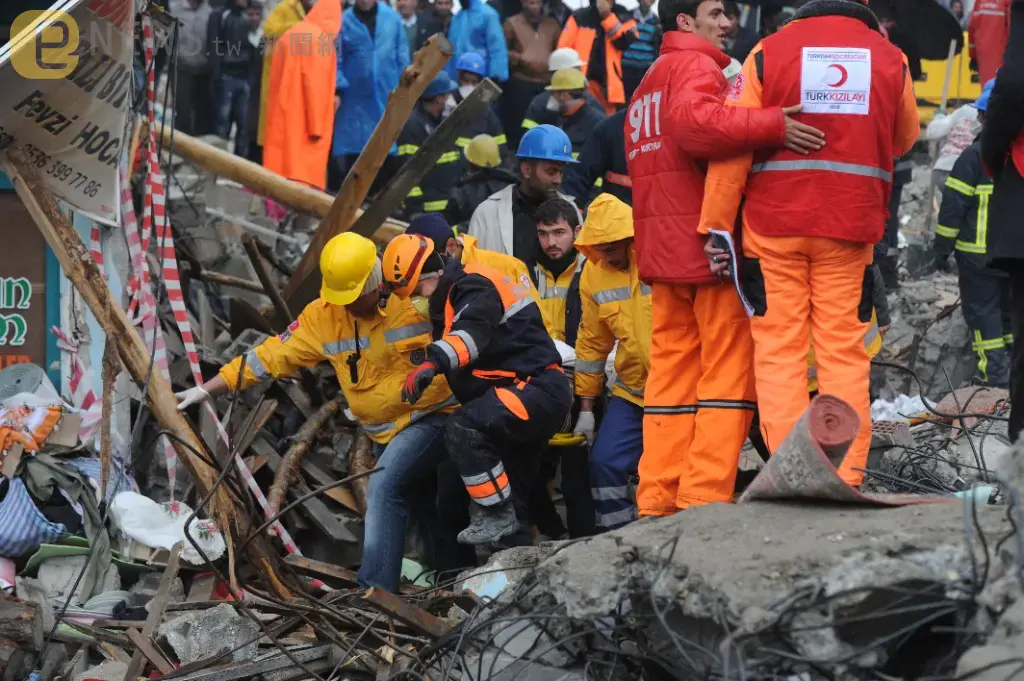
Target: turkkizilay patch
x=835 y=80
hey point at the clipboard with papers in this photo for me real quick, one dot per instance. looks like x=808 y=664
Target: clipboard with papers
x=734 y=267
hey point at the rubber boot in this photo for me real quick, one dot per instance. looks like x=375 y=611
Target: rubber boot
x=489 y=524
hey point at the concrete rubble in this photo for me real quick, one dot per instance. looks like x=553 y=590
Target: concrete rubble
x=206 y=634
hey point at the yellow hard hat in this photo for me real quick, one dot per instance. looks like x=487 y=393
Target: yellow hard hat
x=345 y=264
x=482 y=151
x=567 y=79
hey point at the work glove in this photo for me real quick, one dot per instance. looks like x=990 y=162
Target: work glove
x=585 y=426
x=418 y=381
x=196 y=395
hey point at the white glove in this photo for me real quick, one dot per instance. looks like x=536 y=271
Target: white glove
x=187 y=398
x=567 y=353
x=350 y=416
x=585 y=426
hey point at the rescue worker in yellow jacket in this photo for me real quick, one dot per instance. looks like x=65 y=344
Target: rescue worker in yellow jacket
x=616 y=308
x=369 y=342
x=557 y=265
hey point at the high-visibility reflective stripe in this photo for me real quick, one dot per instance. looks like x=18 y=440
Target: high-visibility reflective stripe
x=493 y=499
x=575 y=155
x=619 y=179
x=988 y=13
x=645 y=290
x=948 y=232
x=481 y=478
x=1008 y=339
x=610 y=521
x=832 y=166
x=609 y=493
x=435 y=206
x=528 y=124
x=960 y=186
x=812 y=372
x=631 y=391
x=449 y=352
x=554 y=292
x=587 y=367
x=252 y=360
x=871 y=335
x=599 y=182
x=681 y=409
x=406 y=332
x=500 y=139
x=345 y=345
x=982 y=357
x=462 y=142
x=474 y=352
x=407 y=149
x=448 y=157
x=516 y=307
x=611 y=295
x=990 y=344
x=415 y=191
x=726 y=404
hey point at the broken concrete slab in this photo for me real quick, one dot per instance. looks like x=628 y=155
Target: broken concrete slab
x=146 y=588
x=207 y=633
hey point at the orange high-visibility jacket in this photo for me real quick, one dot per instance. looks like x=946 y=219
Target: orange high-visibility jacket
x=300 y=110
x=987 y=32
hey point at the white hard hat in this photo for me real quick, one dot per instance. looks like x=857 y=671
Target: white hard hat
x=564 y=58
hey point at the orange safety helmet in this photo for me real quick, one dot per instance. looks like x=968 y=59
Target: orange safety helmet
x=403 y=262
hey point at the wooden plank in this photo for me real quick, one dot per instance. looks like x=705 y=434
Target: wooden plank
x=112 y=652
x=156 y=609
x=317 y=568
x=320 y=478
x=146 y=648
x=21 y=622
x=417 y=618
x=441 y=141
x=304 y=286
x=87 y=279
x=283 y=316
x=202 y=588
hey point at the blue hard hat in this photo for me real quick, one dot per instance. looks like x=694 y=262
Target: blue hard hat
x=441 y=85
x=546 y=143
x=472 y=62
x=982 y=103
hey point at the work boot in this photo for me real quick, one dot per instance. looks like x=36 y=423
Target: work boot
x=489 y=524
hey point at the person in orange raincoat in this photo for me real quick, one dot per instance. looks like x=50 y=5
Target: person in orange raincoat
x=988 y=30
x=301 y=104
x=281 y=18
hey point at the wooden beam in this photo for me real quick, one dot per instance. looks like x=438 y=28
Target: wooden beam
x=156 y=612
x=21 y=622
x=149 y=651
x=316 y=568
x=295 y=195
x=283 y=316
x=87 y=279
x=441 y=141
x=428 y=61
x=301 y=442
x=417 y=618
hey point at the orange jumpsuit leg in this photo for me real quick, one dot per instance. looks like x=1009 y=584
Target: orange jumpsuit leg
x=838 y=269
x=782 y=333
x=670 y=397
x=725 y=397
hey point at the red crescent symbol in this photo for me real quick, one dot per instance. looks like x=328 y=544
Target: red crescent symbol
x=843 y=75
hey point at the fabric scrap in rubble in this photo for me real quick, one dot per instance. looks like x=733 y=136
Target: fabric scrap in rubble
x=163 y=525
x=28 y=425
x=22 y=526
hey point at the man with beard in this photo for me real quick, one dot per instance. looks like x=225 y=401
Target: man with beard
x=506 y=221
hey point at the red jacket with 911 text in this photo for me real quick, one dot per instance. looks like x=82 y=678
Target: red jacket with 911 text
x=677 y=120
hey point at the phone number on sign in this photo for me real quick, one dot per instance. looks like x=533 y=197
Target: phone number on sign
x=62 y=172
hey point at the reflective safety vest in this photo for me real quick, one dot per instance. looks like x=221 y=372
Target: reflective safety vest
x=371 y=357
x=850 y=80
x=872 y=343
x=553 y=293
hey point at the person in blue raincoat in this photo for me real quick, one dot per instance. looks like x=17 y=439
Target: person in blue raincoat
x=372 y=52
x=477 y=28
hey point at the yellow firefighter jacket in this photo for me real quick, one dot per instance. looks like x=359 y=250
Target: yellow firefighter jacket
x=616 y=307
x=370 y=356
x=553 y=292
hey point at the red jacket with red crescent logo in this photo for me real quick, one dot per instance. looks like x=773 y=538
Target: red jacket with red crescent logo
x=987 y=32
x=676 y=121
x=850 y=80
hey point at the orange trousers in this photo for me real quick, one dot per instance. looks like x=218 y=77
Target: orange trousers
x=699 y=399
x=813 y=288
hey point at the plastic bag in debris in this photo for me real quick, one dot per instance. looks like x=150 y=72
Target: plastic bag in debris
x=900 y=409
x=163 y=525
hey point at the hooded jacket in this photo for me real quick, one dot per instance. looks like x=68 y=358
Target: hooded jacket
x=371 y=357
x=368 y=70
x=477 y=28
x=616 y=308
x=492 y=224
x=297 y=141
x=280 y=19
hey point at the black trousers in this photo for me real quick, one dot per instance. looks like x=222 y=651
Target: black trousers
x=1017 y=353
x=193 y=106
x=579 y=506
x=985 y=298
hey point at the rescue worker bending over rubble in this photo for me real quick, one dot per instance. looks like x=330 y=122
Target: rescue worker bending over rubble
x=699 y=398
x=505 y=221
x=484 y=176
x=431 y=194
x=490 y=343
x=810 y=220
x=616 y=309
x=963 y=232
x=370 y=347
x=575 y=118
